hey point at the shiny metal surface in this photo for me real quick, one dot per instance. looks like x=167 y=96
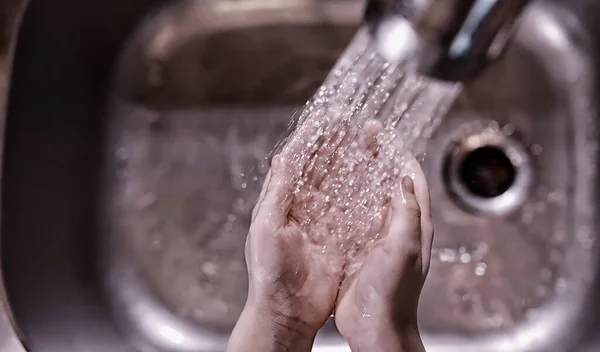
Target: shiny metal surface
x=447 y=39
x=129 y=124
x=494 y=144
x=11 y=12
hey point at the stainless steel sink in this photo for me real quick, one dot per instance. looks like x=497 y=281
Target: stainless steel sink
x=137 y=134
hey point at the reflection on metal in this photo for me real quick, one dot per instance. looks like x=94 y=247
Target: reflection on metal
x=448 y=39
x=510 y=199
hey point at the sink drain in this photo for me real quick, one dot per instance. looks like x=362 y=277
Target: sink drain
x=488 y=172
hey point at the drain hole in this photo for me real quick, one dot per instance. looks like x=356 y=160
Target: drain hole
x=487 y=172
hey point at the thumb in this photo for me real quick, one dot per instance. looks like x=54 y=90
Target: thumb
x=275 y=200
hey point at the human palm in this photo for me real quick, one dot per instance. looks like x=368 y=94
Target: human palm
x=289 y=261
x=285 y=270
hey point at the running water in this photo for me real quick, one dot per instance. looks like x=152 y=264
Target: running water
x=362 y=125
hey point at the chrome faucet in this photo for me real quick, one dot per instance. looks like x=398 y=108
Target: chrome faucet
x=446 y=39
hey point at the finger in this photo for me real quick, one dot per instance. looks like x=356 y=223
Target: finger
x=342 y=154
x=351 y=158
x=305 y=131
x=377 y=224
x=327 y=137
x=423 y=199
x=366 y=154
x=368 y=137
x=404 y=236
x=335 y=135
x=261 y=196
x=301 y=145
x=347 y=141
x=273 y=209
x=313 y=143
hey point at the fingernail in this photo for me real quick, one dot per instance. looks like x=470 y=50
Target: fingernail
x=408 y=185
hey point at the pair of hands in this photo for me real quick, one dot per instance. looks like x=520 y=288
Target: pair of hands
x=295 y=286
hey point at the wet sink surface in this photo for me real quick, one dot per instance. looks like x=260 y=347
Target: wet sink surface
x=134 y=154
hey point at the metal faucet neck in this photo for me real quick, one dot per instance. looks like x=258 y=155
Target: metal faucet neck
x=448 y=39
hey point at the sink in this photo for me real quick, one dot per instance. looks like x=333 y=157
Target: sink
x=137 y=135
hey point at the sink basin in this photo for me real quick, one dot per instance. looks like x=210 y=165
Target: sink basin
x=137 y=135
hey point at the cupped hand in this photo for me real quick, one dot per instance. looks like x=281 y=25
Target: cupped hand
x=377 y=306
x=289 y=276
x=293 y=283
x=293 y=276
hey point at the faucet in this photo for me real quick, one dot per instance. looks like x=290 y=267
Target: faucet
x=451 y=40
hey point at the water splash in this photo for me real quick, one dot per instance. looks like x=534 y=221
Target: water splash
x=353 y=139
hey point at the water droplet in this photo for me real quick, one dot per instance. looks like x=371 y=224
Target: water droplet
x=122 y=154
x=146 y=200
x=465 y=258
x=480 y=269
x=561 y=285
x=209 y=268
x=508 y=130
x=536 y=149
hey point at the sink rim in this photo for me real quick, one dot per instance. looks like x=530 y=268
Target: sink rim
x=10 y=337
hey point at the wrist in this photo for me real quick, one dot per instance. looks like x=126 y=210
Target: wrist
x=386 y=337
x=262 y=328
x=289 y=312
x=280 y=321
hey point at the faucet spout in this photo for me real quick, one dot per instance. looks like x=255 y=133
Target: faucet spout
x=446 y=39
